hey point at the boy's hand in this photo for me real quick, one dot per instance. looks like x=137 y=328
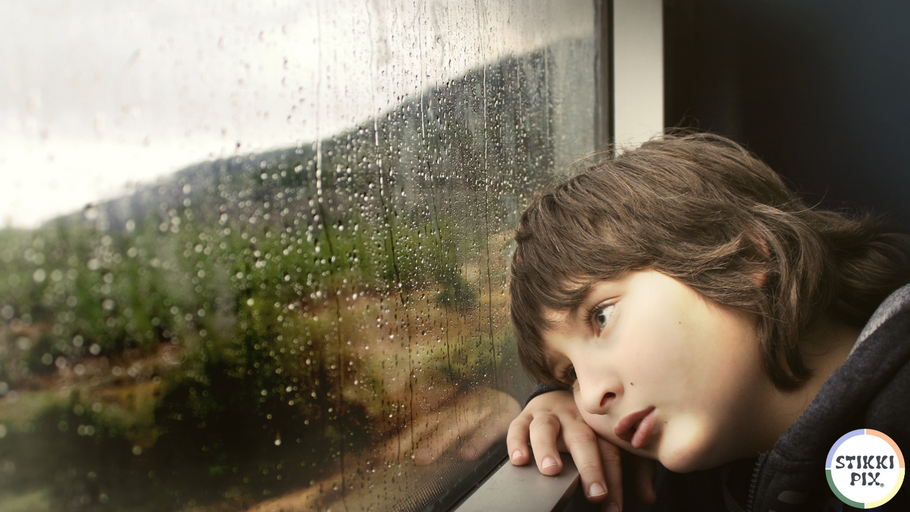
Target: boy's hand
x=552 y=423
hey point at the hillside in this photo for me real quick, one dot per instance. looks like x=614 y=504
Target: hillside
x=246 y=326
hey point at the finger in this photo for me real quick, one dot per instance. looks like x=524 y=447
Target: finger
x=611 y=458
x=582 y=443
x=517 y=440
x=544 y=430
x=644 y=472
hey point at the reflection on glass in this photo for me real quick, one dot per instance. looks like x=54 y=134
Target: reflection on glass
x=320 y=325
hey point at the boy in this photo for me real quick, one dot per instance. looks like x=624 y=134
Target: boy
x=679 y=302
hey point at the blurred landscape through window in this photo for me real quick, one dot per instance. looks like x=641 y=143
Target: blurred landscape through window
x=256 y=257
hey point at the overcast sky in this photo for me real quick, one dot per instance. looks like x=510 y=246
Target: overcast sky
x=98 y=94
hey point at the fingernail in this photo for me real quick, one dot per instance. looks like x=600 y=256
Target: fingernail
x=596 y=490
x=515 y=455
x=613 y=507
x=549 y=461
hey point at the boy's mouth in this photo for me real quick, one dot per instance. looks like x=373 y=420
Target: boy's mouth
x=636 y=427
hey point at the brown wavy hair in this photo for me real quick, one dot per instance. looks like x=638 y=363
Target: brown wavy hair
x=704 y=210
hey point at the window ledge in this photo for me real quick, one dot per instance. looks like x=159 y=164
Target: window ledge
x=523 y=488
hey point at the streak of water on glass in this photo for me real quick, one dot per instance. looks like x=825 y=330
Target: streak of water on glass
x=317 y=325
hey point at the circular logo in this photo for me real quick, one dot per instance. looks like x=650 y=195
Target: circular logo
x=865 y=468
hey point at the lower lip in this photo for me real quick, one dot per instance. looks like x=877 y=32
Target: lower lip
x=643 y=432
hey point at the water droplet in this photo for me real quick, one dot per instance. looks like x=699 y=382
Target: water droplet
x=23 y=343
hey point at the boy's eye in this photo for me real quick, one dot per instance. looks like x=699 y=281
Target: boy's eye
x=601 y=315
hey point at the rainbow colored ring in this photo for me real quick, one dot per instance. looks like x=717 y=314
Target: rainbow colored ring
x=830 y=461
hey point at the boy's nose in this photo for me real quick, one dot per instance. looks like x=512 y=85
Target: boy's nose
x=598 y=394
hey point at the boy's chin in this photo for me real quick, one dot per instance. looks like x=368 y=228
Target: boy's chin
x=685 y=457
x=680 y=464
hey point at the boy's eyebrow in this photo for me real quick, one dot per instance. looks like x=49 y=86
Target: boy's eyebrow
x=583 y=298
x=578 y=298
x=581 y=302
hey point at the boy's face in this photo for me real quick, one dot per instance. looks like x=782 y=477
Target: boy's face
x=661 y=371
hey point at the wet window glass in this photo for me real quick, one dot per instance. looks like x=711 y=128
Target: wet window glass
x=254 y=255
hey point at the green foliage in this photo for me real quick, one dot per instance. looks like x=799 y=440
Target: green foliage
x=238 y=266
x=259 y=390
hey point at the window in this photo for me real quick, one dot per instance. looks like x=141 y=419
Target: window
x=257 y=255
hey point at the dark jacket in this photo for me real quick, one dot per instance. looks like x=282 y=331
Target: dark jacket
x=870 y=390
